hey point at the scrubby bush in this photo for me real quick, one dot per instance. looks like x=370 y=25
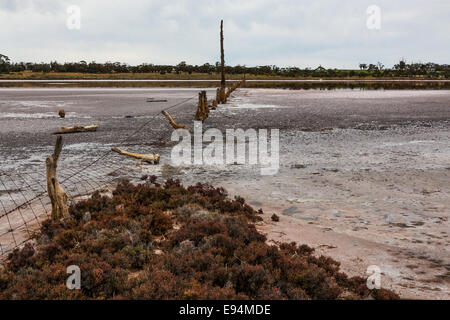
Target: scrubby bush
x=149 y=241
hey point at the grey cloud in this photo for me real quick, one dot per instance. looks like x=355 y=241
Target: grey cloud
x=283 y=32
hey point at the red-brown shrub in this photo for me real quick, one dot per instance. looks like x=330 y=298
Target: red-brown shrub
x=169 y=242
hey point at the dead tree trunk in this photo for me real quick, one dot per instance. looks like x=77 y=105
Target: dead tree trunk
x=56 y=193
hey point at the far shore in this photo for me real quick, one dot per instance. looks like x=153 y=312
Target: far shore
x=28 y=75
x=61 y=80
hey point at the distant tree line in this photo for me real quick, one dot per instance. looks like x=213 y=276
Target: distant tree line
x=4 y=63
x=401 y=69
x=407 y=69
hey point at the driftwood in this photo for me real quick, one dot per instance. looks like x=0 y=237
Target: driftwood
x=172 y=122
x=56 y=193
x=149 y=158
x=202 y=108
x=76 y=129
x=156 y=100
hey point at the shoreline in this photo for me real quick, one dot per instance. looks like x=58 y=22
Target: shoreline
x=355 y=255
x=218 y=80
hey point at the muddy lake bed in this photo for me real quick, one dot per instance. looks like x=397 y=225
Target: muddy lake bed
x=363 y=175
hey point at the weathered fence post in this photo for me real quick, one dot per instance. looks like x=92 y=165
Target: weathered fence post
x=202 y=108
x=214 y=105
x=56 y=193
x=218 y=99
x=222 y=92
x=205 y=104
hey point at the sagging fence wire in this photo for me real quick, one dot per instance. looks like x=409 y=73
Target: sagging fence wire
x=24 y=202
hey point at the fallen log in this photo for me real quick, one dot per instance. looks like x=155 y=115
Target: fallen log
x=56 y=193
x=172 y=122
x=76 y=129
x=149 y=158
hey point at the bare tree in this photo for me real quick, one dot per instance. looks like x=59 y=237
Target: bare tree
x=4 y=62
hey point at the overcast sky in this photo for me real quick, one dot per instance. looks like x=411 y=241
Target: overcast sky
x=304 y=33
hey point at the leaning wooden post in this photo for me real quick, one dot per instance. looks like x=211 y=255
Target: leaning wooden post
x=56 y=193
x=172 y=122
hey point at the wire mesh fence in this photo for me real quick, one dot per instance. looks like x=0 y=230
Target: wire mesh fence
x=24 y=203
